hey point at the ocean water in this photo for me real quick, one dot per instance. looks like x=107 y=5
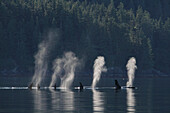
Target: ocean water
x=151 y=96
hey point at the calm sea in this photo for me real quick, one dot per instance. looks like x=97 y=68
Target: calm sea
x=151 y=96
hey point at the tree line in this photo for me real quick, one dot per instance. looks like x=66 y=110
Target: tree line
x=112 y=29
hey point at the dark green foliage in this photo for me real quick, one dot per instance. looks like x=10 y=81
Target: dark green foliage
x=115 y=30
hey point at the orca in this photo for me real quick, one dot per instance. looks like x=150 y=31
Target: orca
x=55 y=86
x=38 y=86
x=132 y=87
x=30 y=86
x=117 y=85
x=81 y=86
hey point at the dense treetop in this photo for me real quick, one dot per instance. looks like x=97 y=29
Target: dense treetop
x=115 y=30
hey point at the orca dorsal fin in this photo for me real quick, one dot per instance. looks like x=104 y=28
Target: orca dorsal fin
x=30 y=86
x=117 y=85
x=81 y=86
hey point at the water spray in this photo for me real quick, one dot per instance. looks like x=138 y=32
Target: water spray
x=42 y=56
x=64 y=68
x=131 y=67
x=98 y=69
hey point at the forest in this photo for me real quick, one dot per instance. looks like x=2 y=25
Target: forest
x=115 y=29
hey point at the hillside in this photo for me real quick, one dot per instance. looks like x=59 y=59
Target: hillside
x=115 y=30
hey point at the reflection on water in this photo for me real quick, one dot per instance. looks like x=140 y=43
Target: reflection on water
x=130 y=101
x=56 y=100
x=152 y=96
x=98 y=101
x=39 y=101
x=67 y=100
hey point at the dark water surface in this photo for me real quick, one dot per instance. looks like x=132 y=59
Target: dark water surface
x=152 y=95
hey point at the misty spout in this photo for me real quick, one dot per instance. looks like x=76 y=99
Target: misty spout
x=64 y=68
x=42 y=57
x=98 y=69
x=131 y=67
